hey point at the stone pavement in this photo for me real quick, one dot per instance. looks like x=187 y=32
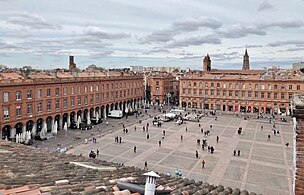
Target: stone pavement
x=263 y=167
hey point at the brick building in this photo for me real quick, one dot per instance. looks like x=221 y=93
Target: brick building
x=28 y=102
x=160 y=85
x=266 y=91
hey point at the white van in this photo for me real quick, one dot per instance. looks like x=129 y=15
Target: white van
x=115 y=114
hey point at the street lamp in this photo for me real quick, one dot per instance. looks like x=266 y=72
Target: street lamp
x=205 y=98
x=168 y=96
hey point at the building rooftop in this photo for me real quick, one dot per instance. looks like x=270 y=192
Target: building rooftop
x=33 y=170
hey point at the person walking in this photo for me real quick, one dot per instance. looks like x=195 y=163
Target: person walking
x=182 y=138
x=107 y=123
x=186 y=129
x=135 y=128
x=234 y=152
x=134 y=149
x=262 y=127
x=159 y=143
x=97 y=152
x=196 y=154
x=148 y=136
x=268 y=138
x=120 y=139
x=239 y=152
x=217 y=139
x=146 y=165
x=203 y=164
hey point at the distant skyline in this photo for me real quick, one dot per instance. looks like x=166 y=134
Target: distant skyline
x=119 y=33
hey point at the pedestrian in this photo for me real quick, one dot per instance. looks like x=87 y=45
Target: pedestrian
x=164 y=132
x=203 y=164
x=186 y=129
x=159 y=143
x=147 y=129
x=107 y=123
x=217 y=139
x=287 y=144
x=120 y=139
x=278 y=132
x=97 y=152
x=208 y=148
x=196 y=154
x=239 y=152
x=262 y=127
x=134 y=149
x=126 y=130
x=212 y=149
x=123 y=126
x=146 y=165
x=182 y=138
x=274 y=132
x=148 y=136
x=199 y=125
x=147 y=124
x=85 y=141
x=143 y=128
x=203 y=146
x=268 y=138
x=234 y=152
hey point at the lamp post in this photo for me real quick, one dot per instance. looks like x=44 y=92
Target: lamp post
x=205 y=98
x=168 y=96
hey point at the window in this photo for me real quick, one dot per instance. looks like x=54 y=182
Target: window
x=298 y=87
x=65 y=104
x=91 y=99
x=290 y=95
x=79 y=89
x=48 y=105
x=224 y=85
x=194 y=91
x=65 y=91
x=102 y=97
x=29 y=94
x=189 y=91
x=256 y=94
x=275 y=87
x=262 y=86
x=97 y=97
x=39 y=93
x=57 y=92
x=262 y=95
x=249 y=94
x=243 y=86
x=97 y=87
x=206 y=84
x=236 y=85
x=184 y=91
x=102 y=87
x=212 y=84
x=256 y=86
x=283 y=87
x=200 y=84
x=224 y=93
x=29 y=109
x=243 y=93
x=91 y=88
x=206 y=92
x=236 y=93
x=230 y=93
x=18 y=95
x=79 y=101
x=85 y=89
x=268 y=95
x=194 y=84
x=39 y=107
x=6 y=112
x=85 y=100
x=282 y=96
x=290 y=87
x=48 y=92
x=112 y=86
x=218 y=85
x=230 y=85
x=72 y=102
x=269 y=86
x=249 y=85
x=189 y=84
x=157 y=83
x=108 y=86
x=275 y=96
x=217 y=92
x=57 y=104
x=157 y=89
x=5 y=96
x=18 y=111
x=72 y=90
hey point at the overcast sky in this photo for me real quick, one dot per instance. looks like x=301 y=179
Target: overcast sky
x=120 y=33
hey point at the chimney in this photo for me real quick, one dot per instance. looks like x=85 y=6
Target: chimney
x=150 y=182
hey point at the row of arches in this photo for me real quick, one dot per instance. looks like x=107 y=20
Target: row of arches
x=35 y=126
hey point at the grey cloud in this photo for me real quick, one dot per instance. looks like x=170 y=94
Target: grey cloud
x=265 y=6
x=8 y=46
x=196 y=40
x=226 y=56
x=292 y=49
x=238 y=31
x=245 y=46
x=94 y=31
x=290 y=42
x=156 y=50
x=31 y=21
x=282 y=24
x=186 y=25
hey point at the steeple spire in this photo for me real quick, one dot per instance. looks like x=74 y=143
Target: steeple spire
x=246 y=60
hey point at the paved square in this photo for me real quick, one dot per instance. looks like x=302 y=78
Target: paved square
x=263 y=166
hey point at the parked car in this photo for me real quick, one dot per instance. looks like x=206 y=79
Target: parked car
x=84 y=126
x=179 y=122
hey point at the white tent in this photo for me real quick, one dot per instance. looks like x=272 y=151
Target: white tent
x=126 y=110
x=43 y=131
x=279 y=111
x=169 y=115
x=69 y=122
x=17 y=138
x=78 y=122
x=65 y=127
x=88 y=119
x=55 y=127
x=97 y=116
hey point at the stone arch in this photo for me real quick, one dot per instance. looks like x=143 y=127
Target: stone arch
x=57 y=118
x=64 y=119
x=39 y=125
x=6 y=132
x=29 y=125
x=107 y=109
x=112 y=106
x=73 y=118
x=116 y=106
x=102 y=111
x=85 y=114
x=18 y=128
x=49 y=124
x=92 y=113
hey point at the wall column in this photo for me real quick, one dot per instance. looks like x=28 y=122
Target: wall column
x=68 y=120
x=13 y=133
x=23 y=128
x=60 y=123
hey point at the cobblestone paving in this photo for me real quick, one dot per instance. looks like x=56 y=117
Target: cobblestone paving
x=263 y=166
